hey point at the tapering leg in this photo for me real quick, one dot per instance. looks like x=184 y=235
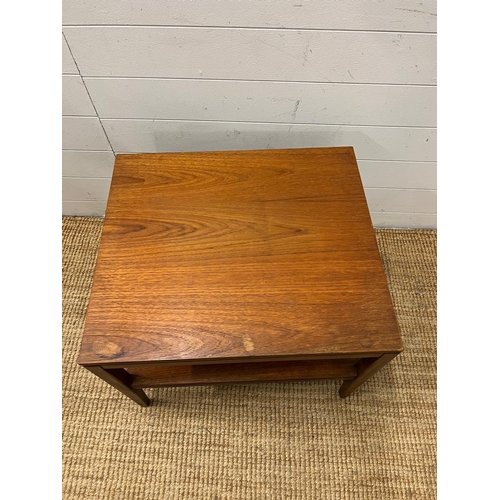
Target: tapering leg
x=366 y=368
x=120 y=379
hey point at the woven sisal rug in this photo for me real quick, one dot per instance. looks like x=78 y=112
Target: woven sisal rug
x=263 y=441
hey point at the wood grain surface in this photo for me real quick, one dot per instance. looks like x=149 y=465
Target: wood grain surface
x=241 y=256
x=163 y=376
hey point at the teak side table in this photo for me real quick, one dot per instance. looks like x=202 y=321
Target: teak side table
x=238 y=266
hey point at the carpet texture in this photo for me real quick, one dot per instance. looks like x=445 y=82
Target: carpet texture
x=263 y=441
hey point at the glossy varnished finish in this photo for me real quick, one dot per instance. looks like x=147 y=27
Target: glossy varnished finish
x=238 y=257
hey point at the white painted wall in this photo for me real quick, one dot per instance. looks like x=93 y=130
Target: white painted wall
x=185 y=75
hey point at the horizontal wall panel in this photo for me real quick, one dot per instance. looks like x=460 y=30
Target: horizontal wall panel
x=389 y=15
x=87 y=163
x=264 y=101
x=76 y=189
x=83 y=133
x=75 y=99
x=395 y=174
x=404 y=221
x=88 y=208
x=370 y=143
x=68 y=65
x=401 y=200
x=289 y=55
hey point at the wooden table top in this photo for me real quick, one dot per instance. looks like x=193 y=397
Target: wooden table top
x=237 y=256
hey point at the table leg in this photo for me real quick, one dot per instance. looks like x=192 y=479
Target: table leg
x=120 y=379
x=366 y=368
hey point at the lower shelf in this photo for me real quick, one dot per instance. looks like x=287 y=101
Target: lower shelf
x=166 y=375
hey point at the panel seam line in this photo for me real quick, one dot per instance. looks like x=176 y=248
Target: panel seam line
x=88 y=93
